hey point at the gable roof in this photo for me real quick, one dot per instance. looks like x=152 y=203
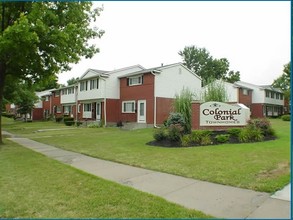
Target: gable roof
x=157 y=70
x=95 y=73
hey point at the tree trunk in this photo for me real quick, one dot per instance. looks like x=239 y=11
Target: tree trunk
x=2 y=81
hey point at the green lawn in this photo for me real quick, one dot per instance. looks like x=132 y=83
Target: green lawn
x=34 y=186
x=262 y=166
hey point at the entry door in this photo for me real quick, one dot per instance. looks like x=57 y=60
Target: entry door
x=98 y=111
x=141 y=111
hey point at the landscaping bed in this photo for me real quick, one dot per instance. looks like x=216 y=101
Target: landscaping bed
x=214 y=140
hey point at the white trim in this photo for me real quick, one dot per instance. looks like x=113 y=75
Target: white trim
x=130 y=101
x=139 y=80
x=141 y=119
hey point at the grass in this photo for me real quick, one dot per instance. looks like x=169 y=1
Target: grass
x=262 y=166
x=34 y=186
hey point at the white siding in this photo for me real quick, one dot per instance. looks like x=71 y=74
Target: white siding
x=172 y=80
x=94 y=93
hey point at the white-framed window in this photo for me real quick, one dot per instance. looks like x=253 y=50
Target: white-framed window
x=281 y=96
x=277 y=95
x=67 y=109
x=128 y=107
x=245 y=91
x=57 y=93
x=70 y=91
x=272 y=95
x=46 y=98
x=136 y=80
x=58 y=109
x=87 y=107
x=94 y=84
x=83 y=86
x=267 y=94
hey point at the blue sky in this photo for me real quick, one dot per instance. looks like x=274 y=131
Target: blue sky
x=253 y=36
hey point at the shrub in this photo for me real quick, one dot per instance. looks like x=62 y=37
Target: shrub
x=263 y=124
x=206 y=140
x=59 y=118
x=234 y=132
x=286 y=118
x=222 y=138
x=182 y=104
x=119 y=124
x=186 y=140
x=69 y=123
x=78 y=123
x=175 y=119
x=8 y=115
x=93 y=125
x=160 y=134
x=250 y=134
x=198 y=135
x=175 y=132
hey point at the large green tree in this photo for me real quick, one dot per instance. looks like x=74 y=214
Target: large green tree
x=283 y=81
x=40 y=39
x=204 y=65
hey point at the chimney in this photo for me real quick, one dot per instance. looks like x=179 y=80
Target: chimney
x=162 y=64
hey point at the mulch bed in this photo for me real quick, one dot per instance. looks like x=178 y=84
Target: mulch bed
x=232 y=140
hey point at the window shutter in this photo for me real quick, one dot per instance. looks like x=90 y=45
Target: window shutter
x=127 y=81
x=142 y=79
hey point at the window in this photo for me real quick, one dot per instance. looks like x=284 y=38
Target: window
x=281 y=96
x=272 y=95
x=83 y=86
x=57 y=93
x=58 y=109
x=87 y=107
x=70 y=91
x=277 y=95
x=128 y=107
x=245 y=91
x=138 y=80
x=267 y=94
x=46 y=98
x=94 y=84
x=67 y=109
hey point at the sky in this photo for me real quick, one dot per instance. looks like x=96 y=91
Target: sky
x=253 y=36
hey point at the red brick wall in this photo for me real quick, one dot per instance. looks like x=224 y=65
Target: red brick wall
x=164 y=107
x=112 y=106
x=37 y=114
x=46 y=105
x=195 y=116
x=139 y=92
x=256 y=110
x=245 y=99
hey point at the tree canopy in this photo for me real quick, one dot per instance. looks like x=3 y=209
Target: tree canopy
x=40 y=39
x=283 y=81
x=204 y=65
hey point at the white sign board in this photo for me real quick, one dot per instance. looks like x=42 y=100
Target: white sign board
x=222 y=114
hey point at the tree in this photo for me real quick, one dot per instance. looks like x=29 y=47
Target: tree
x=72 y=81
x=283 y=83
x=40 y=39
x=204 y=65
x=25 y=99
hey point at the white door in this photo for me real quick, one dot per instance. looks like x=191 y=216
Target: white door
x=141 y=111
x=98 y=111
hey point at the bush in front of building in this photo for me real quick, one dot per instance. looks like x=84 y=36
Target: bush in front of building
x=8 y=115
x=251 y=134
x=68 y=121
x=59 y=119
x=286 y=118
x=222 y=138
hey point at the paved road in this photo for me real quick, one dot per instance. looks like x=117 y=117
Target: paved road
x=213 y=199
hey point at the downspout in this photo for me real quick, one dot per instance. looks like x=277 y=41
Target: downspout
x=105 y=105
x=76 y=102
x=50 y=98
x=155 y=102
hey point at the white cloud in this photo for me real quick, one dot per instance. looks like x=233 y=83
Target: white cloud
x=253 y=36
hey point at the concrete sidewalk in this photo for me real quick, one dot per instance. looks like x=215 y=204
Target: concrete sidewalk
x=213 y=199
